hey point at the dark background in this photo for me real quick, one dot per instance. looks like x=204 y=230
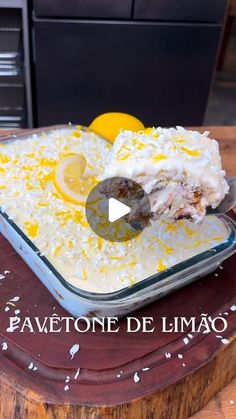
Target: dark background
x=68 y=61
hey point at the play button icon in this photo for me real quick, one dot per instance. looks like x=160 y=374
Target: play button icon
x=117 y=209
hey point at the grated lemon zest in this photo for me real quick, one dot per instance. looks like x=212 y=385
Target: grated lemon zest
x=148 y=131
x=103 y=269
x=124 y=156
x=84 y=254
x=43 y=179
x=79 y=218
x=114 y=268
x=90 y=166
x=127 y=148
x=168 y=250
x=85 y=274
x=31 y=155
x=138 y=144
x=180 y=140
x=171 y=228
x=27 y=168
x=42 y=204
x=44 y=162
x=4 y=158
x=189 y=231
x=161 y=265
x=32 y=229
x=194 y=153
x=30 y=187
x=70 y=244
x=56 y=195
x=131 y=280
x=100 y=242
x=174 y=147
x=42 y=148
x=76 y=134
x=57 y=250
x=159 y=157
x=117 y=257
x=198 y=243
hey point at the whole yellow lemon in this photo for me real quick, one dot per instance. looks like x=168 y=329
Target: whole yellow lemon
x=109 y=124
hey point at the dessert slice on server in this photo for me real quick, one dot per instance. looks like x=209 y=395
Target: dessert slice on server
x=179 y=169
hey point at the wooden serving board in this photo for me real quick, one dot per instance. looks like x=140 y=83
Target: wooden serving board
x=122 y=375
x=171 y=388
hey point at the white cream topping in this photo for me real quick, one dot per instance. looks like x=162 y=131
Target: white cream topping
x=160 y=156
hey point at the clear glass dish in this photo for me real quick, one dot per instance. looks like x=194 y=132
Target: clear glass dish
x=119 y=303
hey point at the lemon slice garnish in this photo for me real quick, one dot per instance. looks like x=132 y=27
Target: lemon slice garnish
x=70 y=180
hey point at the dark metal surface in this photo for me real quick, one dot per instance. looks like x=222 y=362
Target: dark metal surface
x=10 y=31
x=83 y=8
x=180 y=10
x=15 y=69
x=159 y=72
x=11 y=95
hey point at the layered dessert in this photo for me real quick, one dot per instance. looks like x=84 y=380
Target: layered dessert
x=55 y=221
x=179 y=169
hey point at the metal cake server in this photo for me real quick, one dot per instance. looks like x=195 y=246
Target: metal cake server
x=229 y=200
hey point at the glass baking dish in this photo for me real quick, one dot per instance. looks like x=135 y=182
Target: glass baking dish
x=119 y=303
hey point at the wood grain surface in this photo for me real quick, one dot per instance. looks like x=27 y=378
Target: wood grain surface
x=232 y=8
x=222 y=406
x=169 y=390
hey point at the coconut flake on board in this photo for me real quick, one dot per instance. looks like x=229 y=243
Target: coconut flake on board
x=32 y=367
x=15 y=299
x=186 y=341
x=4 y=346
x=136 y=377
x=167 y=355
x=4 y=274
x=77 y=374
x=225 y=341
x=74 y=349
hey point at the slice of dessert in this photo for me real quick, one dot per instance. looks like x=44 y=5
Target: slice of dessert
x=179 y=169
